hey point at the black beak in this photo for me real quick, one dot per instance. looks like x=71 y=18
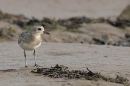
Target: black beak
x=46 y=32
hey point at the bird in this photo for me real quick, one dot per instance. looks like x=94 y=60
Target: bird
x=31 y=39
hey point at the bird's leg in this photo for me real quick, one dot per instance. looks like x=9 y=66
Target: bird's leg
x=35 y=59
x=25 y=59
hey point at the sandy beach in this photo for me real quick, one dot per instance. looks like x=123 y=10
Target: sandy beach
x=108 y=60
x=64 y=9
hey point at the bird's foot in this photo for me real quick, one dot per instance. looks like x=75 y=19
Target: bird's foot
x=26 y=66
x=36 y=65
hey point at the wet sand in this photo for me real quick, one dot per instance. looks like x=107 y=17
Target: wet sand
x=108 y=60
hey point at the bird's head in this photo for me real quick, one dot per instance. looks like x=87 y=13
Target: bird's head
x=39 y=30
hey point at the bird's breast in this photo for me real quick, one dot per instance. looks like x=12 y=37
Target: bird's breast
x=32 y=45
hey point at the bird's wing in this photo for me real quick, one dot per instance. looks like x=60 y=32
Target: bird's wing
x=22 y=35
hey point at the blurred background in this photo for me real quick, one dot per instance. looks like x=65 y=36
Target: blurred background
x=103 y=22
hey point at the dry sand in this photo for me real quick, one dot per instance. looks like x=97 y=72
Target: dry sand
x=63 y=8
x=108 y=60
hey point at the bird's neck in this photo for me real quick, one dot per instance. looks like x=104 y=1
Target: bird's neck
x=35 y=34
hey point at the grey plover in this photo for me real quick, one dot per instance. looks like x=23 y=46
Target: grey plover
x=31 y=39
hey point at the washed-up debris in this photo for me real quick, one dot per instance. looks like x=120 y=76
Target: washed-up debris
x=123 y=20
x=98 y=41
x=8 y=70
x=71 y=25
x=61 y=71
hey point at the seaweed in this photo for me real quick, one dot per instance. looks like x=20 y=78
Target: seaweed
x=61 y=71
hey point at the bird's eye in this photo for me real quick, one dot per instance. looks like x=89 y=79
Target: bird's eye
x=39 y=28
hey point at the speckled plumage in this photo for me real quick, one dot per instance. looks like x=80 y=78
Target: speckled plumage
x=30 y=40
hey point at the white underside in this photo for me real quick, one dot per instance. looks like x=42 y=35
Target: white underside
x=26 y=46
